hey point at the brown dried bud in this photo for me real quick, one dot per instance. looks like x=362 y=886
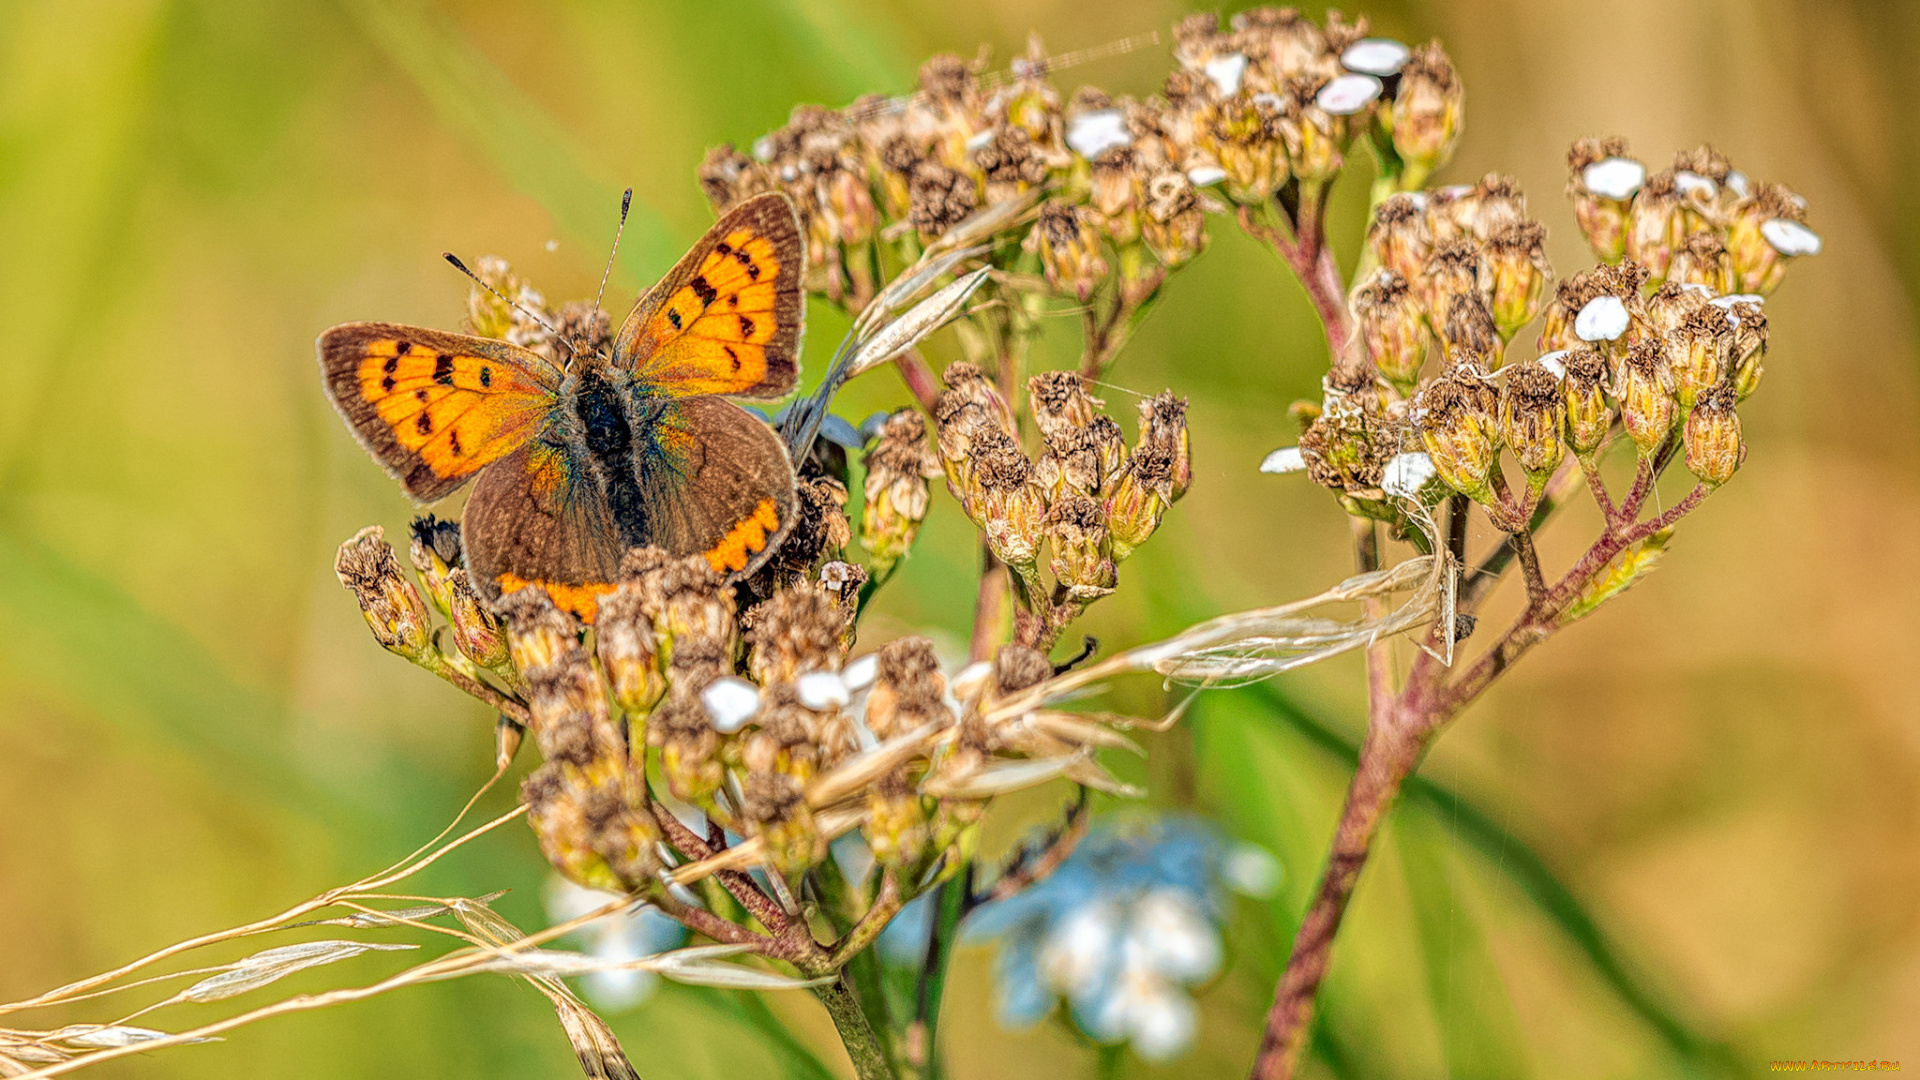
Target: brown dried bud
x=908 y=689
x=1516 y=259
x=629 y=653
x=1082 y=561
x=896 y=829
x=1011 y=504
x=1456 y=417
x=796 y=631
x=1697 y=352
x=1469 y=335
x=1316 y=139
x=1163 y=422
x=1702 y=260
x=1764 y=232
x=1602 y=182
x=689 y=748
x=1644 y=387
x=1060 y=402
x=434 y=549
x=1426 y=113
x=1067 y=240
x=561 y=826
x=1071 y=464
x=1653 y=225
x=1495 y=205
x=392 y=606
x=898 y=468
x=1140 y=498
x=940 y=198
x=476 y=632
x=1589 y=415
x=1393 y=327
x=1399 y=236
x=777 y=812
x=1531 y=414
x=1569 y=297
x=1174 y=228
x=1749 y=347
x=1714 y=449
x=1454 y=268
x=688 y=601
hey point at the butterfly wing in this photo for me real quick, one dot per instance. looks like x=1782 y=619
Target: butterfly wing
x=727 y=318
x=534 y=520
x=433 y=407
x=716 y=481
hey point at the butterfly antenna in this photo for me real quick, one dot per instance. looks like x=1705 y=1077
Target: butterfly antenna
x=514 y=304
x=626 y=203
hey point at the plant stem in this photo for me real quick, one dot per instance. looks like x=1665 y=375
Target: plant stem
x=843 y=1005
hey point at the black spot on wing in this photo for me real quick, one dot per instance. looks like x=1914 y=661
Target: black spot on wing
x=486 y=377
x=674 y=318
x=424 y=425
x=704 y=291
x=443 y=370
x=732 y=356
x=746 y=327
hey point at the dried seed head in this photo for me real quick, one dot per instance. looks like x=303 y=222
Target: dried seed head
x=1531 y=414
x=629 y=653
x=1174 y=228
x=1017 y=668
x=1705 y=161
x=1392 y=325
x=1426 y=112
x=1495 y=205
x=1163 y=423
x=1654 y=225
x=1591 y=151
x=476 y=632
x=1756 y=227
x=1644 y=388
x=1697 y=352
x=1456 y=417
x=797 y=631
x=896 y=493
x=1469 y=334
x=560 y=824
x=1060 y=402
x=1140 y=497
x=1082 y=562
x=1570 y=296
x=1454 y=268
x=908 y=689
x=1749 y=346
x=1516 y=258
x=1589 y=414
x=692 y=609
x=940 y=198
x=392 y=606
x=1071 y=464
x=1702 y=260
x=1067 y=239
x=1714 y=449
x=1399 y=235
x=689 y=748
x=1602 y=183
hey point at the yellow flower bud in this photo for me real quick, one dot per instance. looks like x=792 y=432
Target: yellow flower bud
x=1714 y=449
x=391 y=604
x=1391 y=325
x=1644 y=388
x=1531 y=414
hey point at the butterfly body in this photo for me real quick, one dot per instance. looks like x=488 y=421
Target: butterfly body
x=621 y=447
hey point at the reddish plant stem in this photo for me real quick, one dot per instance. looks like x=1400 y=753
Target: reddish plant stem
x=918 y=377
x=740 y=885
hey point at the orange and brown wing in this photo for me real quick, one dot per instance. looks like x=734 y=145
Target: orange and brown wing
x=534 y=520
x=727 y=318
x=433 y=407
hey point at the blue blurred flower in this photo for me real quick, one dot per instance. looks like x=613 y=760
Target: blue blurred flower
x=638 y=932
x=1123 y=931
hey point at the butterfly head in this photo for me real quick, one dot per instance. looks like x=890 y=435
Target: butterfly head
x=582 y=332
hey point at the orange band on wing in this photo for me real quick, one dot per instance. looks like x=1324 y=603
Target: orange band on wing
x=746 y=539
x=581 y=601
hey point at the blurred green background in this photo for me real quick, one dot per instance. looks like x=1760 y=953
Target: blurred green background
x=1678 y=841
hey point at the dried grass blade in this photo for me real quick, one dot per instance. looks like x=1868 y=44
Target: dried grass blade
x=272 y=965
x=911 y=328
x=96 y=1036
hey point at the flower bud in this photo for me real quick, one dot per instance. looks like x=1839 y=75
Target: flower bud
x=1456 y=416
x=629 y=654
x=1469 y=335
x=1082 y=561
x=1653 y=225
x=1516 y=259
x=693 y=611
x=1749 y=347
x=777 y=813
x=1570 y=297
x=435 y=551
x=796 y=631
x=971 y=384
x=1702 y=260
x=908 y=689
x=1531 y=414
x=1714 y=450
x=1491 y=207
x=1111 y=446
x=1399 y=237
x=1697 y=352
x=1068 y=244
x=1114 y=196
x=1060 y=402
x=560 y=824
x=1589 y=415
x=689 y=748
x=896 y=828
x=898 y=468
x=1426 y=113
x=1245 y=135
x=476 y=632
x=1644 y=387
x=391 y=604
x=1603 y=181
x=1316 y=140
x=1390 y=323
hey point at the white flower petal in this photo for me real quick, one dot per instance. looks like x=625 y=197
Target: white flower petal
x=1081 y=948
x=1692 y=183
x=1555 y=362
x=730 y=703
x=1603 y=319
x=1789 y=237
x=1375 y=56
x=1093 y=133
x=1161 y=1023
x=981 y=140
x=1406 y=474
x=859 y=674
x=1738 y=183
x=1614 y=177
x=1348 y=94
x=1205 y=175
x=1173 y=938
x=822 y=690
x=1227 y=70
x=971 y=679
x=1284 y=460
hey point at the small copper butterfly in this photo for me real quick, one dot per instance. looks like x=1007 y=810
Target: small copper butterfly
x=620 y=447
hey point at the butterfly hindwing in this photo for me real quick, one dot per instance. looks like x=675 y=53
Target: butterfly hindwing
x=716 y=482
x=433 y=407
x=533 y=520
x=727 y=318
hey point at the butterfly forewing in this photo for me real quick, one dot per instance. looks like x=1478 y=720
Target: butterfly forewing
x=727 y=318
x=433 y=407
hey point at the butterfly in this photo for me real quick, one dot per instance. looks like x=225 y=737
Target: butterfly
x=620 y=447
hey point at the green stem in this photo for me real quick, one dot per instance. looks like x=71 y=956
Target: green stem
x=863 y=1047
x=950 y=907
